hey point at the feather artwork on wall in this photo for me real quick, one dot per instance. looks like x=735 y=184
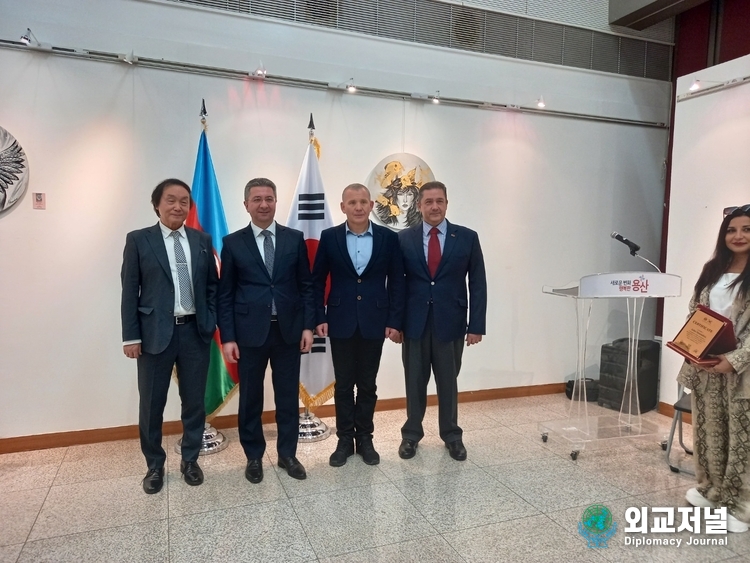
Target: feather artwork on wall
x=14 y=170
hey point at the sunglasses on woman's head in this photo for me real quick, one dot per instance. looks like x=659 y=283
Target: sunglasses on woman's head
x=735 y=209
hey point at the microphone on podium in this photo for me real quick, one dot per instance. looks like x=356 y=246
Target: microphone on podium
x=629 y=243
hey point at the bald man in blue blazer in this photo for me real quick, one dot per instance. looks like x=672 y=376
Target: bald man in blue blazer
x=365 y=306
x=438 y=258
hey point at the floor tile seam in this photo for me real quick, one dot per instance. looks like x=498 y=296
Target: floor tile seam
x=304 y=531
x=72 y=483
x=435 y=535
x=526 y=501
x=225 y=508
x=402 y=479
x=20 y=551
x=415 y=507
x=98 y=529
x=36 y=518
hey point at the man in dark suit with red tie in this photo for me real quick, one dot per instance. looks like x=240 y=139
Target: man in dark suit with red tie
x=365 y=306
x=266 y=313
x=169 y=285
x=438 y=257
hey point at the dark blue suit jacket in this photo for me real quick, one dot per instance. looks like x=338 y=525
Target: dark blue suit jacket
x=147 y=307
x=246 y=290
x=373 y=300
x=462 y=256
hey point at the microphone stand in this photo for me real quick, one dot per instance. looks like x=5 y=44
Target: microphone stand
x=646 y=260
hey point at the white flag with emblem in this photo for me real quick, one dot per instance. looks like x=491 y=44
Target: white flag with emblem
x=310 y=214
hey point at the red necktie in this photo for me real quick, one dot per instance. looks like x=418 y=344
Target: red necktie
x=433 y=252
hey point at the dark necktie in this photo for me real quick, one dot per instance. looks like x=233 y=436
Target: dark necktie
x=433 y=252
x=268 y=259
x=183 y=275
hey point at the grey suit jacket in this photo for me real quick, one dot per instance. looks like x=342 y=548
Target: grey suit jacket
x=147 y=307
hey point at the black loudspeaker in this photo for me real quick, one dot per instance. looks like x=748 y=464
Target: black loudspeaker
x=592 y=389
x=614 y=363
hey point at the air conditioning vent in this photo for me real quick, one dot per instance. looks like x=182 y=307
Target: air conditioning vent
x=434 y=22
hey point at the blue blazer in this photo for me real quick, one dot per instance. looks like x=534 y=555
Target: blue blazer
x=147 y=306
x=246 y=290
x=462 y=256
x=373 y=300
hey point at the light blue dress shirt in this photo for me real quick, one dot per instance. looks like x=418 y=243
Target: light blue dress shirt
x=359 y=247
x=426 y=228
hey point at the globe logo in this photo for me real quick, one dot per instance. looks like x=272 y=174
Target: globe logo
x=597 y=525
x=597 y=519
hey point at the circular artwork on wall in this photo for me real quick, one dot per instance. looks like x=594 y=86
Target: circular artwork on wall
x=394 y=184
x=14 y=171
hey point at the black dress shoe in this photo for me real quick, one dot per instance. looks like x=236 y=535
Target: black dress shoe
x=407 y=449
x=191 y=472
x=153 y=481
x=344 y=449
x=367 y=451
x=293 y=467
x=254 y=471
x=457 y=450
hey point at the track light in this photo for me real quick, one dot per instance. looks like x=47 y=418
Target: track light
x=350 y=87
x=30 y=39
x=261 y=71
x=540 y=103
x=436 y=97
x=131 y=59
x=27 y=37
x=698 y=84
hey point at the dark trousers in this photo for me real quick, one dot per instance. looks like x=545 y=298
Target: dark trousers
x=356 y=361
x=285 y=360
x=444 y=358
x=191 y=354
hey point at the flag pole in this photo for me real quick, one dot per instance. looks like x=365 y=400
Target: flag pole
x=311 y=428
x=213 y=441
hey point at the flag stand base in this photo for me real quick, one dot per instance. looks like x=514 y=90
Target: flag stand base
x=213 y=441
x=311 y=428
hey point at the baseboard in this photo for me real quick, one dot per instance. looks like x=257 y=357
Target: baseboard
x=79 y=437
x=667 y=409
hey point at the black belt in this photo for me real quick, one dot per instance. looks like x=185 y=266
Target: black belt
x=183 y=320
x=274 y=318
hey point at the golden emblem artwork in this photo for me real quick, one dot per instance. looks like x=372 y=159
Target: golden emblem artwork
x=394 y=184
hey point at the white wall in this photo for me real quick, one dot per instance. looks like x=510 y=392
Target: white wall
x=544 y=193
x=710 y=171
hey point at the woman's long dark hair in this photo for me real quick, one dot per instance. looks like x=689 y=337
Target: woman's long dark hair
x=720 y=261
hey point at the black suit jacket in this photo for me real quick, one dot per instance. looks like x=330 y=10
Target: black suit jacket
x=246 y=290
x=462 y=256
x=373 y=300
x=147 y=307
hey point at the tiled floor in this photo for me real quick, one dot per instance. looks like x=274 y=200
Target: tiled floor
x=515 y=499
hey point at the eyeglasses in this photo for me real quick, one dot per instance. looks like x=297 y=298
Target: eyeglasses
x=735 y=209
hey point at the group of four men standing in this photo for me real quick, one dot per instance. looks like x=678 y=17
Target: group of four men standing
x=410 y=288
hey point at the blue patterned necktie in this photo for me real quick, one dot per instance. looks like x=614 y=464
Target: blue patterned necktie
x=183 y=275
x=268 y=252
